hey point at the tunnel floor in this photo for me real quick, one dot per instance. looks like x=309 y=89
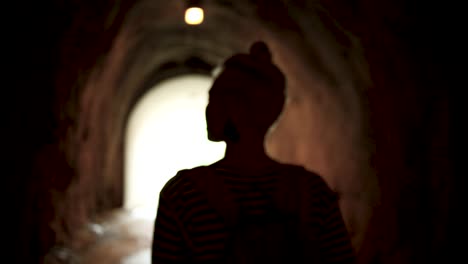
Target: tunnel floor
x=117 y=237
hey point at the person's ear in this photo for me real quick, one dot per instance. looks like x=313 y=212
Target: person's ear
x=230 y=131
x=216 y=119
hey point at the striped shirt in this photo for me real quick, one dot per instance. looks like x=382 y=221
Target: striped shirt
x=184 y=214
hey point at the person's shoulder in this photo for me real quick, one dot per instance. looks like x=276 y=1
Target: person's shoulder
x=179 y=182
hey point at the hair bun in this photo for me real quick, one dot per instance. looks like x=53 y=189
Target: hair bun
x=259 y=50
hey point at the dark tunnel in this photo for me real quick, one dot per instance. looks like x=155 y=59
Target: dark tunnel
x=368 y=108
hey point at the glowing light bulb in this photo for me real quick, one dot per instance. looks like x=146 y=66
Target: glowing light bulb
x=194 y=16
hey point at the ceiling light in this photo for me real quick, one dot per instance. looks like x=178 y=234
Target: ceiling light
x=194 y=14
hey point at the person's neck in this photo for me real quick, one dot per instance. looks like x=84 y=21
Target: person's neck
x=248 y=156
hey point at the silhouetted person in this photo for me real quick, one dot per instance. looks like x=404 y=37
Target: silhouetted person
x=248 y=208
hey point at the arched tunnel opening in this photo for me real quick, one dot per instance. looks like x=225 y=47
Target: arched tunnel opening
x=166 y=132
x=361 y=94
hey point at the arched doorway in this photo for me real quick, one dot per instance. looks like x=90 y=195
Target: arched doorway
x=166 y=132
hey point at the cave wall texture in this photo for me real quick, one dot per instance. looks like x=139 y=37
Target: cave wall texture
x=372 y=71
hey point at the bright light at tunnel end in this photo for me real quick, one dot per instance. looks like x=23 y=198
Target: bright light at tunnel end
x=194 y=16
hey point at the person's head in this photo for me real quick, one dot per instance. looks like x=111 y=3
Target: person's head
x=246 y=98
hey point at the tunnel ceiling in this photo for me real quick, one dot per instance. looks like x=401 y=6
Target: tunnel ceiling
x=300 y=33
x=159 y=32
